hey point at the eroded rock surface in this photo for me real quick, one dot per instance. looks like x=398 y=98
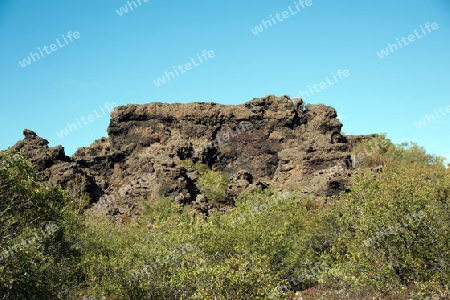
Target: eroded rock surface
x=273 y=141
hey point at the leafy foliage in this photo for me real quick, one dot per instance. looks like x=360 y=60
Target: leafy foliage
x=37 y=234
x=387 y=238
x=381 y=151
x=212 y=184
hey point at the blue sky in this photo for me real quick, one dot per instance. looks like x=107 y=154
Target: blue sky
x=116 y=59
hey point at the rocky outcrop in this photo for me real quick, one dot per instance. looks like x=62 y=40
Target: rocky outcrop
x=273 y=141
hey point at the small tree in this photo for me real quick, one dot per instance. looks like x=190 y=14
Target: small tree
x=214 y=185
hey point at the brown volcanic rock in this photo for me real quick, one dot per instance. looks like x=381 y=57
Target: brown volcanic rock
x=52 y=163
x=270 y=140
x=33 y=147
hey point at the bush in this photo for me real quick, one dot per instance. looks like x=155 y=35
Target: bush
x=392 y=231
x=173 y=253
x=387 y=238
x=381 y=151
x=214 y=185
x=37 y=234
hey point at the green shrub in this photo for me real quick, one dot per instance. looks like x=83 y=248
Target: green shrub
x=387 y=238
x=392 y=231
x=381 y=151
x=38 y=234
x=213 y=185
